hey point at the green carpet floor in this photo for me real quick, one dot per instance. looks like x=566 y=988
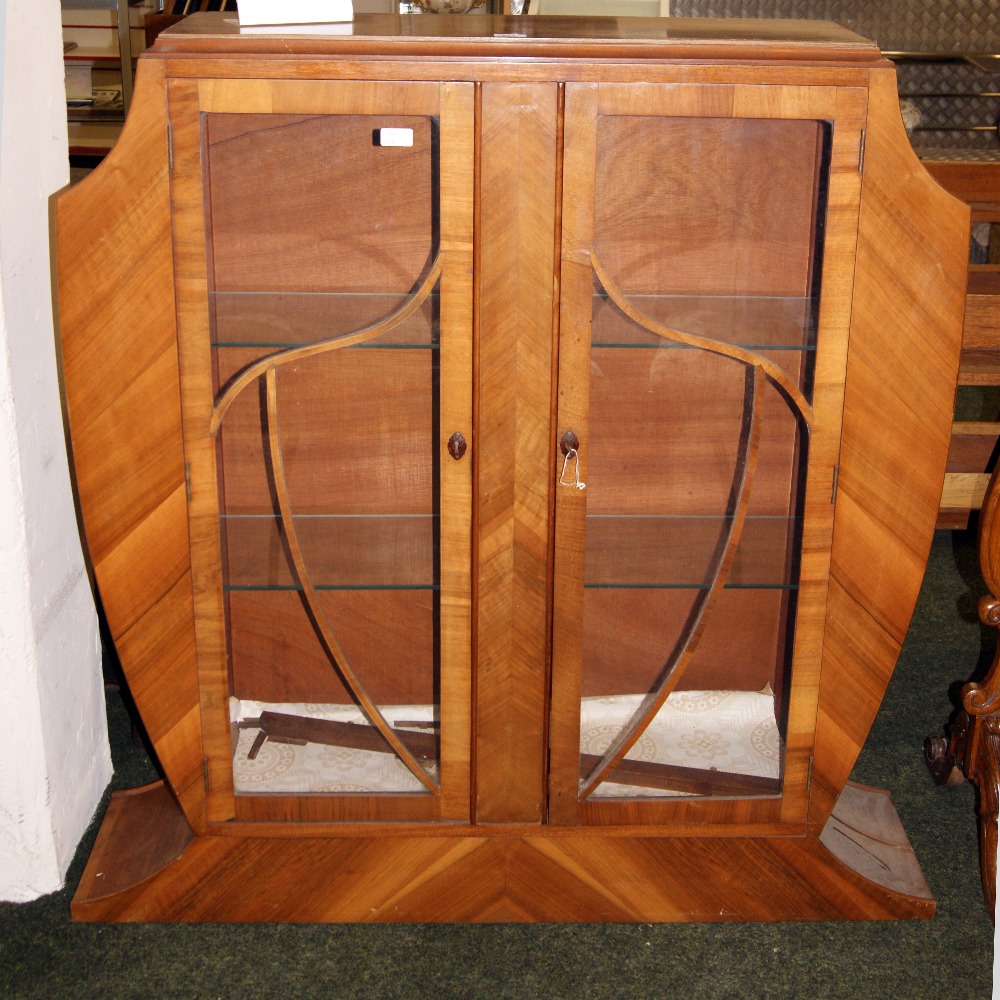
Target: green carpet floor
x=44 y=954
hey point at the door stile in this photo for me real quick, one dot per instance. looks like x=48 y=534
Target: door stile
x=576 y=288
x=457 y=137
x=195 y=360
x=518 y=159
x=848 y=117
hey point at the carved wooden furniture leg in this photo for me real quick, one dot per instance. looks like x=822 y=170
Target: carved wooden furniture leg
x=972 y=748
x=972 y=751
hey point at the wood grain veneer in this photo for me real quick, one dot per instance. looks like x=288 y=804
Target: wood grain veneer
x=517 y=191
x=529 y=129
x=119 y=358
x=520 y=874
x=905 y=338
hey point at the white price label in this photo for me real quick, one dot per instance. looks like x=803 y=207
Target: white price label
x=395 y=136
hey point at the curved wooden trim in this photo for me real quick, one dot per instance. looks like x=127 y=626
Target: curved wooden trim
x=983 y=698
x=739 y=502
x=785 y=385
x=268 y=364
x=989 y=536
x=321 y=626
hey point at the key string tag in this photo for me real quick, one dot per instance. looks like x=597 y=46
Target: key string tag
x=572 y=453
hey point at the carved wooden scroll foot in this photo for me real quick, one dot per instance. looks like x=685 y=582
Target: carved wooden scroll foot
x=945 y=755
x=972 y=751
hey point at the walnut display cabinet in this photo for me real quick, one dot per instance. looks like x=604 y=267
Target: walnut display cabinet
x=508 y=450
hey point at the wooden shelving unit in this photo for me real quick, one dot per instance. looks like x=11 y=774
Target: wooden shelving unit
x=974 y=443
x=106 y=37
x=511 y=413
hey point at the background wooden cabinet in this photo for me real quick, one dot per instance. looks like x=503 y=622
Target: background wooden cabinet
x=504 y=388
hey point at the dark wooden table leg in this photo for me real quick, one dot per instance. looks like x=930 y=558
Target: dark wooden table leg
x=971 y=749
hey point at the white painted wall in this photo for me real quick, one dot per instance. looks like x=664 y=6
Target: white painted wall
x=56 y=760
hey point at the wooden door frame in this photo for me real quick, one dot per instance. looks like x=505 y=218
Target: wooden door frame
x=845 y=109
x=188 y=101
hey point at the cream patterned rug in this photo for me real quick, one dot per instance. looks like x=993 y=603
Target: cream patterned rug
x=727 y=731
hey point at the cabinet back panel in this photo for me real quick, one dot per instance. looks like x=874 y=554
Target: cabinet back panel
x=331 y=209
x=357 y=434
x=627 y=635
x=388 y=636
x=665 y=430
x=708 y=205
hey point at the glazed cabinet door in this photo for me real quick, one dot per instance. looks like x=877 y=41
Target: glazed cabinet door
x=323 y=240
x=707 y=267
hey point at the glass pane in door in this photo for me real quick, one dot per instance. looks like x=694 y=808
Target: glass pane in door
x=707 y=257
x=324 y=338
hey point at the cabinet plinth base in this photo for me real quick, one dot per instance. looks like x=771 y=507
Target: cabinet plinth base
x=551 y=876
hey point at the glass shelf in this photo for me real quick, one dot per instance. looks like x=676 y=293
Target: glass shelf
x=677 y=552
x=232 y=589
x=764 y=323
x=352 y=552
x=283 y=320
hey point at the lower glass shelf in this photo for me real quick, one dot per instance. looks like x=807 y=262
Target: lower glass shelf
x=678 y=552
x=345 y=552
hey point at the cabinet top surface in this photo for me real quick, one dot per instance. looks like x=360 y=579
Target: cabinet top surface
x=512 y=36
